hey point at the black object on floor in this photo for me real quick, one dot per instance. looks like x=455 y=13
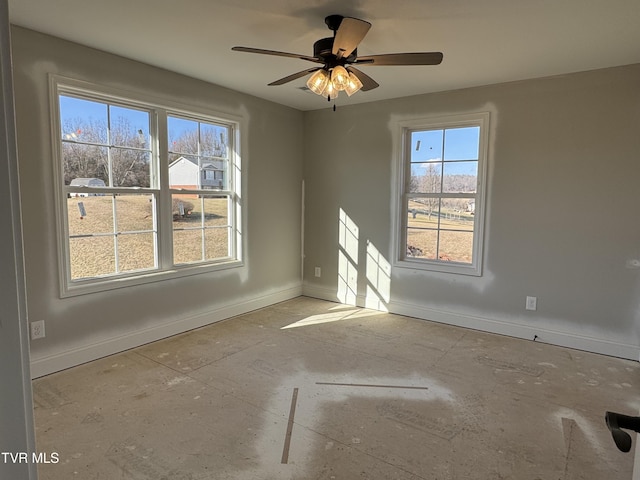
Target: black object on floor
x=616 y=422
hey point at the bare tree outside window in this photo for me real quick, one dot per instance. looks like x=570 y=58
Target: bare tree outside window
x=110 y=178
x=444 y=171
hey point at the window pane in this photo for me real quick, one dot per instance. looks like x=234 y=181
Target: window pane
x=216 y=211
x=460 y=177
x=426 y=145
x=187 y=237
x=425 y=177
x=130 y=168
x=83 y=120
x=84 y=162
x=213 y=173
x=182 y=208
x=456 y=246
x=92 y=256
x=213 y=140
x=455 y=214
x=423 y=212
x=134 y=213
x=462 y=143
x=89 y=215
x=129 y=127
x=197 y=154
x=187 y=246
x=136 y=251
x=216 y=243
x=196 y=219
x=421 y=243
x=183 y=173
x=183 y=136
x=188 y=210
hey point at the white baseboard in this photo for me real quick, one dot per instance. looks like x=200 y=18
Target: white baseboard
x=76 y=356
x=502 y=327
x=320 y=293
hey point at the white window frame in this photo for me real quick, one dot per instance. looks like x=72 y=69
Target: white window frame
x=400 y=193
x=160 y=110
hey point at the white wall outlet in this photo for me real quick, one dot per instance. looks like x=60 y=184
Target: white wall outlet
x=532 y=303
x=37 y=330
x=318 y=272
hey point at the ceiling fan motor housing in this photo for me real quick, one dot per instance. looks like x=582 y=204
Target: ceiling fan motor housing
x=323 y=49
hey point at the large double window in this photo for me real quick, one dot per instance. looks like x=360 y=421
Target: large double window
x=442 y=180
x=144 y=189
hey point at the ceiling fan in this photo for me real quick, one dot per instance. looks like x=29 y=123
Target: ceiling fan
x=338 y=56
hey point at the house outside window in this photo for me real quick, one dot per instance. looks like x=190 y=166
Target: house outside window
x=201 y=229
x=442 y=175
x=126 y=211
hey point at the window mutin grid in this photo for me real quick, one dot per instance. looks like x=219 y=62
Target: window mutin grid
x=78 y=196
x=441 y=193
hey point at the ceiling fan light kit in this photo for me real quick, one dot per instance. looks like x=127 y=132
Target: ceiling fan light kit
x=338 y=56
x=330 y=92
x=353 y=85
x=329 y=83
x=339 y=77
x=318 y=81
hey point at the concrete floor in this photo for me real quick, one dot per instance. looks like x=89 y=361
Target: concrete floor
x=308 y=389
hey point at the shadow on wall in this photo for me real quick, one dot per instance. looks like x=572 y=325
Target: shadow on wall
x=377 y=268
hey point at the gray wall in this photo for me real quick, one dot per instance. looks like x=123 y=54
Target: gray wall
x=84 y=327
x=562 y=217
x=16 y=413
x=563 y=162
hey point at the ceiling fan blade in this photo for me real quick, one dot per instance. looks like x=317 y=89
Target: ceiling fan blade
x=349 y=34
x=368 y=83
x=294 y=76
x=276 y=53
x=417 y=58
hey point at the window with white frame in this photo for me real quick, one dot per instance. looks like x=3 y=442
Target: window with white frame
x=201 y=224
x=442 y=176
x=144 y=189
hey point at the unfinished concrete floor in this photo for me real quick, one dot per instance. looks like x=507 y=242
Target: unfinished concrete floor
x=308 y=389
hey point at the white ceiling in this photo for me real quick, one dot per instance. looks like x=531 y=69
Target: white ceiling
x=483 y=41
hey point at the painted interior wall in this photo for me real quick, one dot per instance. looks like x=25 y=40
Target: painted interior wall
x=561 y=220
x=563 y=165
x=16 y=410
x=84 y=327
x=562 y=213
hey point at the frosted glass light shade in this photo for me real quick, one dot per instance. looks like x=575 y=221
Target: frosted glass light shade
x=339 y=77
x=330 y=91
x=318 y=81
x=353 y=85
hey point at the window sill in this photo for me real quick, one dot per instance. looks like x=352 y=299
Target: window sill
x=95 y=285
x=440 y=267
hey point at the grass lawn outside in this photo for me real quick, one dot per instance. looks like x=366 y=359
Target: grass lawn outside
x=455 y=233
x=116 y=233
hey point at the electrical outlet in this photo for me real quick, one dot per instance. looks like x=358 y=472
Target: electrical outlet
x=532 y=303
x=318 y=272
x=37 y=330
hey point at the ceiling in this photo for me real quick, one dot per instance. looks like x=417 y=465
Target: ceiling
x=483 y=41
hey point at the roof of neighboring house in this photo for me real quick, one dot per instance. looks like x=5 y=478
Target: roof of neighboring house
x=85 y=182
x=208 y=165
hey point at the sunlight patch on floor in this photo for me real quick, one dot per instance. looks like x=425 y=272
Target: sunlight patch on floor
x=338 y=316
